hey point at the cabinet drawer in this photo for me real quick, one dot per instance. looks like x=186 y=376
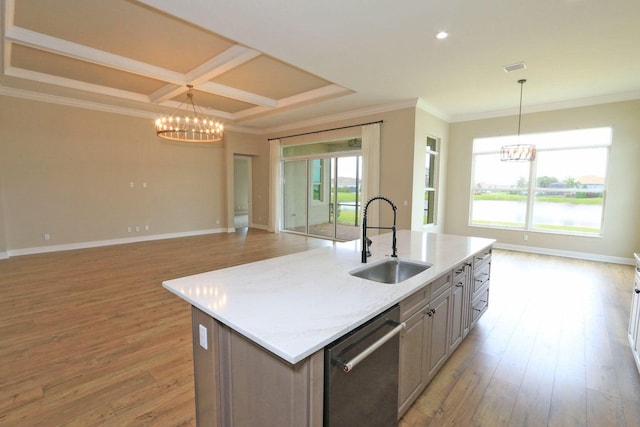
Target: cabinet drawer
x=459 y=272
x=480 y=278
x=414 y=302
x=481 y=258
x=479 y=305
x=440 y=285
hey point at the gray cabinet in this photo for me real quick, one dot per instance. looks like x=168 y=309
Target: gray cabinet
x=480 y=286
x=414 y=370
x=440 y=319
x=437 y=318
x=460 y=300
x=424 y=344
x=240 y=384
x=634 y=320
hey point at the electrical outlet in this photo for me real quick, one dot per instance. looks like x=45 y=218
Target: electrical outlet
x=47 y=236
x=137 y=228
x=203 y=337
x=526 y=237
x=146 y=228
x=129 y=230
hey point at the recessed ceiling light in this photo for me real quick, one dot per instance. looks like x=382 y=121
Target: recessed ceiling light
x=442 y=35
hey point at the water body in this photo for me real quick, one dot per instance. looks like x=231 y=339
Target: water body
x=544 y=213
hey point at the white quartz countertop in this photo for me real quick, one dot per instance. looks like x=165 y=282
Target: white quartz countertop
x=296 y=304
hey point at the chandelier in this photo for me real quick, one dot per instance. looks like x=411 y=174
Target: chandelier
x=192 y=126
x=518 y=152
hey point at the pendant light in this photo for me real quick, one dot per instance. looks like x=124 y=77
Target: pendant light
x=518 y=152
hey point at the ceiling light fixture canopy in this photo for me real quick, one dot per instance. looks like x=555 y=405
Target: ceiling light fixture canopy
x=518 y=152
x=191 y=126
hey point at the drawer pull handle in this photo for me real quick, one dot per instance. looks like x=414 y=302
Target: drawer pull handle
x=431 y=312
x=483 y=257
x=459 y=284
x=637 y=290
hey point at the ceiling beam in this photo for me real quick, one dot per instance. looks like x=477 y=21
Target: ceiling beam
x=84 y=53
x=309 y=97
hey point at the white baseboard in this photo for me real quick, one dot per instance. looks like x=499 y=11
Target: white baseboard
x=4 y=255
x=260 y=227
x=566 y=254
x=97 y=243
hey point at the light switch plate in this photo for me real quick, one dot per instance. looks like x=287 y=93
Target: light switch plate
x=203 y=337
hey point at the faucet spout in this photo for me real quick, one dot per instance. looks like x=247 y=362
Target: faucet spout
x=366 y=242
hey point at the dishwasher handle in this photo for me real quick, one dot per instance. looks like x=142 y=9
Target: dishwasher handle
x=348 y=366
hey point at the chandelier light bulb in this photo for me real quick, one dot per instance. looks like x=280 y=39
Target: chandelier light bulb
x=194 y=127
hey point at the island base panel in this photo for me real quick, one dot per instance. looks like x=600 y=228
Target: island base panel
x=238 y=383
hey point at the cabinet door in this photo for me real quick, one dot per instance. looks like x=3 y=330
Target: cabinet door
x=457 y=312
x=413 y=359
x=635 y=311
x=466 y=302
x=439 y=343
x=634 y=322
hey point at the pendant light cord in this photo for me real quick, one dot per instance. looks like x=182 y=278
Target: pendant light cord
x=522 y=82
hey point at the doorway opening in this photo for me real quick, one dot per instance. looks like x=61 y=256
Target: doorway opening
x=241 y=191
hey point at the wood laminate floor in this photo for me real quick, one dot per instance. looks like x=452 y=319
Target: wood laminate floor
x=90 y=337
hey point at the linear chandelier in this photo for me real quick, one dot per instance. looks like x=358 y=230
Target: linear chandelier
x=518 y=152
x=191 y=126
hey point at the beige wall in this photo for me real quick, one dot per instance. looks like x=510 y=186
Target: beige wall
x=621 y=221
x=3 y=240
x=68 y=172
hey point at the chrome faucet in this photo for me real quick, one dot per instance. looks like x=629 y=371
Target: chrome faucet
x=366 y=242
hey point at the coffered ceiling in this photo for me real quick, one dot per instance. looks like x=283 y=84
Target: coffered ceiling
x=268 y=65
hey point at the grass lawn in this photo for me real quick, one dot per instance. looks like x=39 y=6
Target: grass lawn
x=549 y=199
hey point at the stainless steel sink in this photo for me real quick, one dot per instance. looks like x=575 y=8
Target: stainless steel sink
x=390 y=270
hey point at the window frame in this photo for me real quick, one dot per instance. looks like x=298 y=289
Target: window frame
x=432 y=161
x=533 y=188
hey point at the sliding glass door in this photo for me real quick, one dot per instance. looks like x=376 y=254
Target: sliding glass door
x=321 y=196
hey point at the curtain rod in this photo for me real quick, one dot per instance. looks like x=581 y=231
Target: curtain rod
x=325 y=130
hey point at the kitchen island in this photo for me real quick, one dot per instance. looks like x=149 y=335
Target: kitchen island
x=260 y=329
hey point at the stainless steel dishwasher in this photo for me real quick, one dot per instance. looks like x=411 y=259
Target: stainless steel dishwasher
x=361 y=374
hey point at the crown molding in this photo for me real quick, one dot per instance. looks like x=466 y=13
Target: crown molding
x=71 y=102
x=553 y=106
x=354 y=114
x=96 y=106
x=428 y=108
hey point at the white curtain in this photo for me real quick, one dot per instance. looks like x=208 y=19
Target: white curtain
x=275 y=186
x=371 y=169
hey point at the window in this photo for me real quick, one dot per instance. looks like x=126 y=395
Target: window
x=430 y=172
x=562 y=190
x=317 y=172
